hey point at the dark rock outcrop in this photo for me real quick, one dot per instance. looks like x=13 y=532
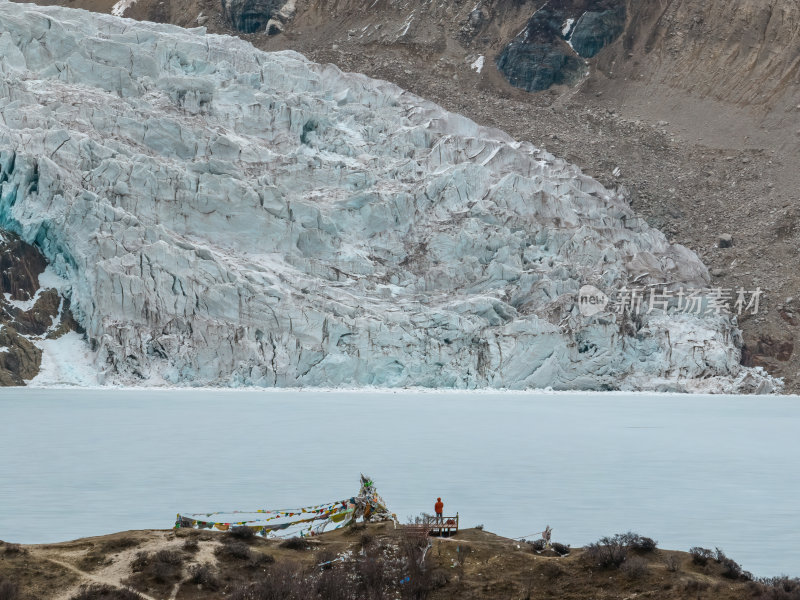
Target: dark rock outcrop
x=538 y=57
x=557 y=39
x=27 y=312
x=249 y=16
x=20 y=359
x=253 y=16
x=20 y=266
x=536 y=67
x=596 y=29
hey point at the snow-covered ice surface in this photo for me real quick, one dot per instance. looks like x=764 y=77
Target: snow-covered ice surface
x=232 y=217
x=685 y=470
x=66 y=360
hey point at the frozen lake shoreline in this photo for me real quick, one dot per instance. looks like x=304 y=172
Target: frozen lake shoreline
x=250 y=389
x=686 y=470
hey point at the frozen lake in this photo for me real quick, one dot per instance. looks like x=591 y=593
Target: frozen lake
x=685 y=470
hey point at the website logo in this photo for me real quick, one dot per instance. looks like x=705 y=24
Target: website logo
x=591 y=301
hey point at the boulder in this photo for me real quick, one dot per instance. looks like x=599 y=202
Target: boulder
x=19 y=358
x=250 y=16
x=557 y=39
x=538 y=57
x=594 y=30
x=537 y=67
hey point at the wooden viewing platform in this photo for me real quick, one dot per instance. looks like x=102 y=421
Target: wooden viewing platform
x=444 y=526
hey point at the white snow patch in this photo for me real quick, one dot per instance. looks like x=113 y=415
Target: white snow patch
x=120 y=7
x=408 y=24
x=616 y=172
x=47 y=279
x=23 y=305
x=567 y=28
x=50 y=279
x=66 y=361
x=478 y=64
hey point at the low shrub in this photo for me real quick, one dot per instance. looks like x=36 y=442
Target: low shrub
x=635 y=568
x=259 y=559
x=366 y=539
x=163 y=572
x=778 y=588
x=641 y=543
x=730 y=568
x=537 y=545
x=233 y=551
x=294 y=543
x=204 y=575
x=9 y=590
x=243 y=533
x=105 y=592
x=333 y=584
x=163 y=566
x=479 y=527
x=140 y=562
x=372 y=576
x=439 y=579
x=700 y=556
x=406 y=574
x=733 y=570
x=191 y=545
x=12 y=549
x=672 y=563
x=608 y=552
x=169 y=557
x=285 y=581
x=560 y=549
x=166 y=566
x=611 y=551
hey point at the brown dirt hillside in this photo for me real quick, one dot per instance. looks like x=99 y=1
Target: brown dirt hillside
x=697 y=103
x=374 y=561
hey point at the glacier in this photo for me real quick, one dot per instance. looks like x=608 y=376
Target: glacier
x=225 y=216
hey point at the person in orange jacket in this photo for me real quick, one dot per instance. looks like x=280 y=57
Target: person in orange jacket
x=439 y=509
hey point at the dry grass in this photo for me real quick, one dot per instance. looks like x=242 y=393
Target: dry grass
x=380 y=562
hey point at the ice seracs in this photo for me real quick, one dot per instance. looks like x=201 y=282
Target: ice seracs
x=227 y=216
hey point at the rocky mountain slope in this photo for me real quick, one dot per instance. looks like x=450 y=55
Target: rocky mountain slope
x=225 y=216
